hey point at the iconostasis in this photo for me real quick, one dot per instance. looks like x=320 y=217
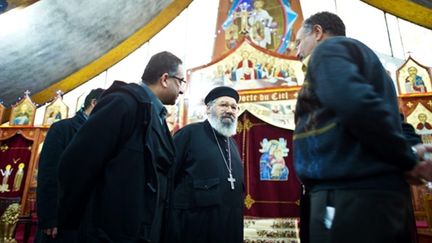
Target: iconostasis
x=20 y=146
x=415 y=101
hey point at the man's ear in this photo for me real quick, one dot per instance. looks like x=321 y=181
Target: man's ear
x=163 y=80
x=318 y=32
x=93 y=102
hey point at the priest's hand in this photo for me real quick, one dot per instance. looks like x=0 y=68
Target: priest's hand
x=51 y=232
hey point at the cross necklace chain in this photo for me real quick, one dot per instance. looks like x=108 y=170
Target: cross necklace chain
x=228 y=165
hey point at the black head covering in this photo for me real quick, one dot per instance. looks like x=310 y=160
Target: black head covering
x=221 y=91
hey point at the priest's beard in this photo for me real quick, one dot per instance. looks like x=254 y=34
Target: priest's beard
x=223 y=125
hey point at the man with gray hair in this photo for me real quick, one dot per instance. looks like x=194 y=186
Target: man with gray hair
x=208 y=186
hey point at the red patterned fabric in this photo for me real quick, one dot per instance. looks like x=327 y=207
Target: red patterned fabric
x=270 y=197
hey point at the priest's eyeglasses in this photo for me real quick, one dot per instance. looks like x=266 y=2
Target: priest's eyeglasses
x=182 y=81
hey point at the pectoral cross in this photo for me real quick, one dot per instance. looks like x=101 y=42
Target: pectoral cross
x=231 y=180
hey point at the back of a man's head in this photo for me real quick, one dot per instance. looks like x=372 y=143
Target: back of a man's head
x=330 y=23
x=94 y=94
x=160 y=63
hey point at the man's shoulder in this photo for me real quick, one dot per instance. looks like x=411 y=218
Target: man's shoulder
x=342 y=46
x=193 y=126
x=62 y=123
x=133 y=90
x=190 y=128
x=340 y=42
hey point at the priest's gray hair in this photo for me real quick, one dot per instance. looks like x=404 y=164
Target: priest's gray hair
x=226 y=128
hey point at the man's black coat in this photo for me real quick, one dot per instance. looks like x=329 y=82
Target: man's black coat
x=119 y=161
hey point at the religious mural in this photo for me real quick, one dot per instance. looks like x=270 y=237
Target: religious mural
x=55 y=111
x=272 y=163
x=247 y=67
x=15 y=155
x=413 y=78
x=23 y=113
x=268 y=24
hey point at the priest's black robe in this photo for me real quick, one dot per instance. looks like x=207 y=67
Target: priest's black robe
x=204 y=207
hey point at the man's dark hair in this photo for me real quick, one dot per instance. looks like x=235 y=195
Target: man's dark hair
x=94 y=94
x=330 y=23
x=160 y=63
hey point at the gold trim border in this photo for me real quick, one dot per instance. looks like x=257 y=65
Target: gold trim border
x=405 y=9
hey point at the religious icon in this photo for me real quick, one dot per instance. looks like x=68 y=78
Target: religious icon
x=232 y=36
x=272 y=162
x=245 y=69
x=413 y=78
x=423 y=124
x=23 y=113
x=4 y=187
x=261 y=25
x=419 y=116
x=413 y=82
x=267 y=24
x=18 y=177
x=55 y=111
x=243 y=15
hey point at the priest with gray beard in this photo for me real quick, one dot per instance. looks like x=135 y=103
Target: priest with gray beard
x=208 y=189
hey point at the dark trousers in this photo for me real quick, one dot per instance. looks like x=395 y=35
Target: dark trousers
x=372 y=216
x=67 y=236
x=304 y=214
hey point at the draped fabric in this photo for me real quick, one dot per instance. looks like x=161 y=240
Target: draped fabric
x=272 y=188
x=15 y=154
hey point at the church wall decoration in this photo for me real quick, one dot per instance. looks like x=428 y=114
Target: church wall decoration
x=415 y=102
x=23 y=113
x=18 y=152
x=252 y=55
x=415 y=97
x=55 y=111
x=274 y=106
x=413 y=78
x=248 y=67
x=20 y=146
x=2 y=110
x=272 y=187
x=417 y=109
x=421 y=119
x=269 y=24
x=172 y=117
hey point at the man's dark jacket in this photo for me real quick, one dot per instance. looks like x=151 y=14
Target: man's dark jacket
x=119 y=161
x=348 y=129
x=58 y=137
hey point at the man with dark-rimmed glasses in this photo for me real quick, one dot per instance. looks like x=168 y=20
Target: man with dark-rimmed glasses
x=123 y=156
